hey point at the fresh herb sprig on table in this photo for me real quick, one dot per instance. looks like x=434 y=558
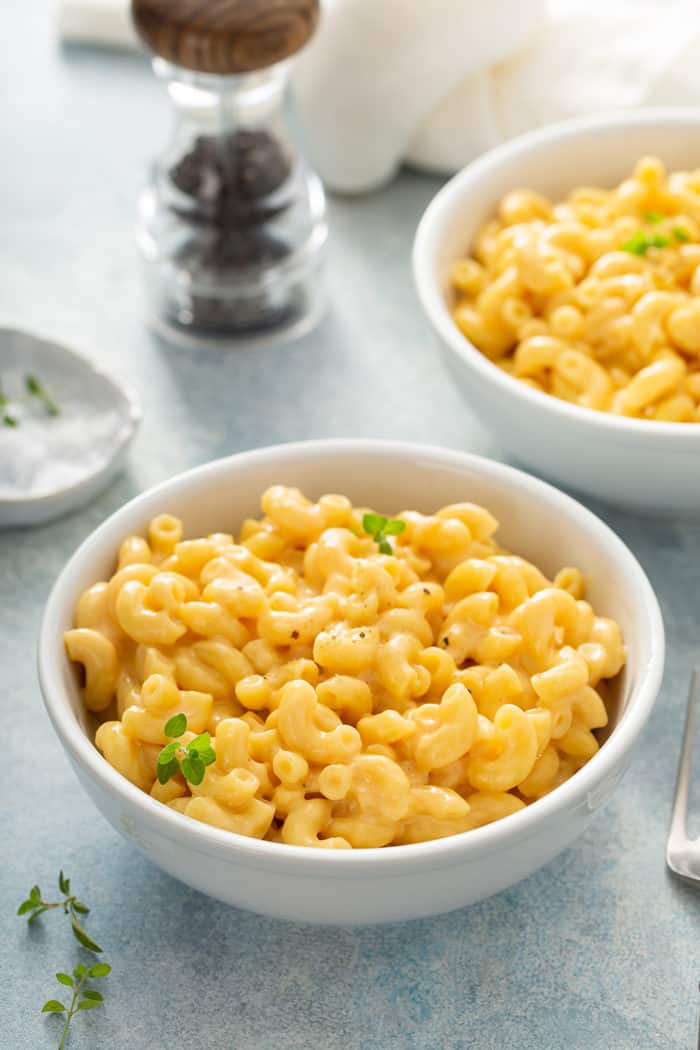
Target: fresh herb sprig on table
x=380 y=527
x=35 y=905
x=83 y=998
x=189 y=759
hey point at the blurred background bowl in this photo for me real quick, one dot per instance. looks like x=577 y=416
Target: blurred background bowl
x=638 y=464
x=400 y=882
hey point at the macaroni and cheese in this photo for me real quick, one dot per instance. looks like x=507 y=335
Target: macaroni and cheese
x=595 y=300
x=354 y=697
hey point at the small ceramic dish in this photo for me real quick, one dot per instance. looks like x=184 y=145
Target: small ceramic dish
x=54 y=459
x=397 y=882
x=639 y=464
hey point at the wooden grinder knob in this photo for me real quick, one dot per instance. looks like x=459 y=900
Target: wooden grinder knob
x=225 y=36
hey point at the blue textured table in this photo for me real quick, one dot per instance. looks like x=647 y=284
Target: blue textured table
x=599 y=949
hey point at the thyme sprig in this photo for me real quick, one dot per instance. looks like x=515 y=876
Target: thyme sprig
x=83 y=997
x=380 y=527
x=35 y=905
x=189 y=759
x=34 y=389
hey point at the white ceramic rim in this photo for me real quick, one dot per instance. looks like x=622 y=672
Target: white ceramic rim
x=133 y=415
x=342 y=863
x=433 y=301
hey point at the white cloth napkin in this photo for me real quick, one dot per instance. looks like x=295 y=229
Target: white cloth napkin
x=105 y=22
x=435 y=84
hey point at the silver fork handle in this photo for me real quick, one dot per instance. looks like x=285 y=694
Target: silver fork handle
x=682 y=854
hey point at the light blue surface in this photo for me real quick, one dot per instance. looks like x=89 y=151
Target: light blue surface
x=598 y=950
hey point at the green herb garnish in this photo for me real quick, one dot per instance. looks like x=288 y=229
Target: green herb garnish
x=37 y=389
x=189 y=759
x=640 y=242
x=35 y=905
x=380 y=527
x=680 y=234
x=83 y=998
x=652 y=217
x=8 y=420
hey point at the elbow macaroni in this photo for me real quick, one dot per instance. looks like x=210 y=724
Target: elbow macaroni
x=596 y=299
x=354 y=699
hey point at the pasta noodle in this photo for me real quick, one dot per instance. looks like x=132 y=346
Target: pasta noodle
x=358 y=692
x=596 y=299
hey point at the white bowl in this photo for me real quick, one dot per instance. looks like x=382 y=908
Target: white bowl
x=634 y=463
x=372 y=885
x=80 y=451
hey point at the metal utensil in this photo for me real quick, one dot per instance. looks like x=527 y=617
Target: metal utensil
x=682 y=852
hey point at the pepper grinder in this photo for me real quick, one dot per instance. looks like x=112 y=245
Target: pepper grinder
x=232 y=224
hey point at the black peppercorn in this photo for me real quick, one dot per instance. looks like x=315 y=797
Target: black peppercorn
x=230 y=187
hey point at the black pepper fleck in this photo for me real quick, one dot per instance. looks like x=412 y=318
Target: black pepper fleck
x=295 y=634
